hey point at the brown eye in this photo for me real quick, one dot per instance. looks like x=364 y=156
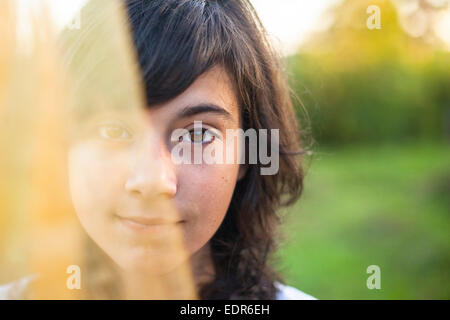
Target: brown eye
x=197 y=135
x=114 y=132
x=203 y=136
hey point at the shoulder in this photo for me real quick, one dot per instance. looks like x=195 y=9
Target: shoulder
x=16 y=290
x=285 y=292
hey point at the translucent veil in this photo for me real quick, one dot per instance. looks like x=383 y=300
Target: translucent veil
x=48 y=90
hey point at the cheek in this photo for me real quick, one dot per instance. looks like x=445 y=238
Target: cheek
x=94 y=182
x=208 y=189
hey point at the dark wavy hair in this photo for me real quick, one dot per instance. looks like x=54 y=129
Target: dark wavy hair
x=176 y=42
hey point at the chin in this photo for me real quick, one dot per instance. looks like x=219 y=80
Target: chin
x=151 y=263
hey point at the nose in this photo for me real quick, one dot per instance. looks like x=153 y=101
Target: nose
x=152 y=173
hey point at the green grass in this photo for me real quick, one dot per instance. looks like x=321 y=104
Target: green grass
x=387 y=206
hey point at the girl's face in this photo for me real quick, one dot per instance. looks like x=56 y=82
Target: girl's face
x=125 y=184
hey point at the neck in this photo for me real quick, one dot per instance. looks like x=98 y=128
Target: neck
x=202 y=266
x=195 y=272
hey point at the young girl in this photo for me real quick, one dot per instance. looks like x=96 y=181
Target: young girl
x=207 y=67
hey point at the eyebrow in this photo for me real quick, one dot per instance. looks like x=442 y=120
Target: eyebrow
x=190 y=111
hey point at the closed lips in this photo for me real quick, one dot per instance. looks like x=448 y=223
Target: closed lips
x=144 y=221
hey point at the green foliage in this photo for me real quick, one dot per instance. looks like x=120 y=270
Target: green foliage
x=385 y=206
x=371 y=86
x=377 y=191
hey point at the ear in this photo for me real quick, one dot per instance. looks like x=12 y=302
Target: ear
x=242 y=171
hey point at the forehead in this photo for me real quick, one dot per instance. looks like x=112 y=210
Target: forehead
x=212 y=87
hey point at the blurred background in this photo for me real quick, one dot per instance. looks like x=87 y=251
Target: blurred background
x=373 y=96
x=375 y=104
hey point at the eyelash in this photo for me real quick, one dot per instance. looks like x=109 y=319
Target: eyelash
x=204 y=131
x=102 y=130
x=126 y=134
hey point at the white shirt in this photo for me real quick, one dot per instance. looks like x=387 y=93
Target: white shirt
x=290 y=293
x=15 y=291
